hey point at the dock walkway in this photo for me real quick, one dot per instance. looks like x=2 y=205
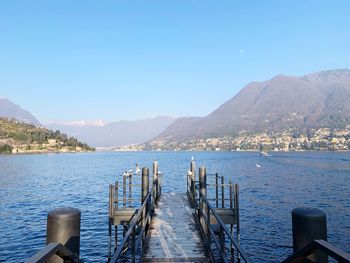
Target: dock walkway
x=174 y=235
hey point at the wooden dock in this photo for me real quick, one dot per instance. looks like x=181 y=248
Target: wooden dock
x=174 y=235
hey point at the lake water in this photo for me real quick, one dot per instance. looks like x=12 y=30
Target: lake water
x=32 y=185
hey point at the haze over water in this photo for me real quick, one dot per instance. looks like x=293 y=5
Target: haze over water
x=31 y=185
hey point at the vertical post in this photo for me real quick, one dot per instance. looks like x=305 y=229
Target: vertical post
x=145 y=183
x=115 y=238
x=116 y=193
x=231 y=206
x=110 y=199
x=155 y=180
x=124 y=191
x=130 y=189
x=193 y=181
x=217 y=190
x=63 y=226
x=133 y=245
x=109 y=239
x=222 y=242
x=222 y=191
x=237 y=218
x=203 y=191
x=309 y=224
x=144 y=192
x=110 y=219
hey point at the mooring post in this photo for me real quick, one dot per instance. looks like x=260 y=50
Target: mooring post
x=236 y=203
x=116 y=192
x=144 y=192
x=110 y=219
x=223 y=191
x=217 y=190
x=309 y=224
x=231 y=207
x=124 y=191
x=130 y=189
x=203 y=206
x=63 y=226
x=193 y=181
x=155 y=180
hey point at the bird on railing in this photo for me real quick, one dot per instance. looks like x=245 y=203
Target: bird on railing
x=137 y=169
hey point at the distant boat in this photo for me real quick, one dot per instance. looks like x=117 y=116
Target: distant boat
x=257 y=165
x=262 y=153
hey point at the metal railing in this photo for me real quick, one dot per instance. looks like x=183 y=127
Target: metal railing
x=130 y=248
x=220 y=241
x=136 y=234
x=54 y=249
x=318 y=245
x=204 y=211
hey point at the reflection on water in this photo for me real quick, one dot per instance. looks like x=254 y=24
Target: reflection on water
x=31 y=185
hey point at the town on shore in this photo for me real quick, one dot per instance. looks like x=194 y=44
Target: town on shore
x=322 y=139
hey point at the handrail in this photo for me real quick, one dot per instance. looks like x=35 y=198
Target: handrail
x=222 y=225
x=52 y=249
x=139 y=224
x=132 y=228
x=323 y=246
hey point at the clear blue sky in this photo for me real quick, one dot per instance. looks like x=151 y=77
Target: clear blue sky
x=113 y=60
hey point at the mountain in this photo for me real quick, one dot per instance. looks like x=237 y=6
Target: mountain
x=97 y=123
x=114 y=134
x=10 y=110
x=283 y=103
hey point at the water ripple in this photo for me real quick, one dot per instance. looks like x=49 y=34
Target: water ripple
x=32 y=185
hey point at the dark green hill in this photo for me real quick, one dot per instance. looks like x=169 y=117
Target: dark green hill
x=19 y=137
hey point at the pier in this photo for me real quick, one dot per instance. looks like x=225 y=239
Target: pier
x=202 y=224
x=192 y=226
x=174 y=235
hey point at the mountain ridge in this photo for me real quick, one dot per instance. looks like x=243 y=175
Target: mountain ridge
x=115 y=134
x=8 y=109
x=284 y=102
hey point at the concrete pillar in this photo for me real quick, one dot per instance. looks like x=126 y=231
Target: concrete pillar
x=63 y=226
x=309 y=224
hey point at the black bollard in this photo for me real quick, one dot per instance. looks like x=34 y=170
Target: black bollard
x=63 y=226
x=309 y=224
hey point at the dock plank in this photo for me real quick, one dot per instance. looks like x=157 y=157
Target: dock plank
x=174 y=236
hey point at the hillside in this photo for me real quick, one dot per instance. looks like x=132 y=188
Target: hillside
x=285 y=113
x=282 y=103
x=10 y=110
x=19 y=137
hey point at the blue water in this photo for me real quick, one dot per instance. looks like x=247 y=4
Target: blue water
x=31 y=185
